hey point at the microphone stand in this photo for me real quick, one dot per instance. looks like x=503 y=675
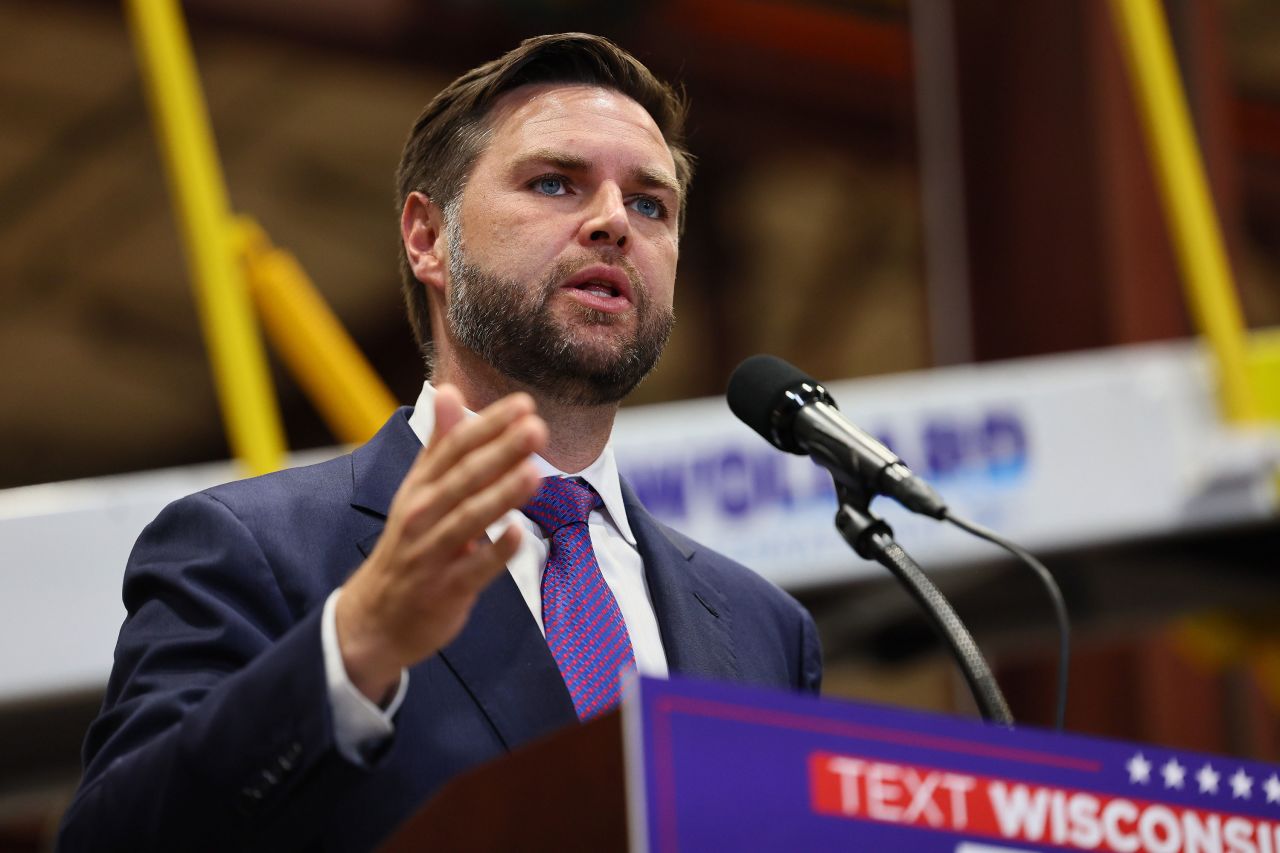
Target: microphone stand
x=872 y=539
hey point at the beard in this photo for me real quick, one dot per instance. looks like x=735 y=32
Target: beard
x=510 y=325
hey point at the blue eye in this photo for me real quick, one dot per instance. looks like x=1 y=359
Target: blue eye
x=649 y=207
x=550 y=186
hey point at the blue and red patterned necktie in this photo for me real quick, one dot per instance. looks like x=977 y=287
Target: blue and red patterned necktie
x=584 y=627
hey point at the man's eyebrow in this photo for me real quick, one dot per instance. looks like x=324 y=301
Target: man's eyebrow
x=552 y=157
x=643 y=175
x=656 y=179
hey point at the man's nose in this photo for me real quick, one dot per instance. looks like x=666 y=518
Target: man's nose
x=607 y=222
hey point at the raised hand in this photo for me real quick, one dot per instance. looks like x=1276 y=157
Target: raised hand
x=415 y=591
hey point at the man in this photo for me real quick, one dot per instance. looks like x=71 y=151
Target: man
x=309 y=655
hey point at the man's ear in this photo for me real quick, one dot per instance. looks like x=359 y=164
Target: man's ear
x=422 y=231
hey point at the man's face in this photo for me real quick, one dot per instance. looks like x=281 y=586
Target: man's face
x=562 y=249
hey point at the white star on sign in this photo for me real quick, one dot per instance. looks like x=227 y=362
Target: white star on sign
x=1139 y=770
x=1208 y=779
x=1173 y=773
x=1272 y=786
x=1241 y=785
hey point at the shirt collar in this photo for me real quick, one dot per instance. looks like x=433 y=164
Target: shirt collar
x=601 y=475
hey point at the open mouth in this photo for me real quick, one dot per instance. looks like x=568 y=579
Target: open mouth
x=599 y=288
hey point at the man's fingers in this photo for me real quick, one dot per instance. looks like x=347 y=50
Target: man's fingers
x=478 y=431
x=477 y=569
x=446 y=447
x=469 y=518
x=486 y=464
x=449 y=413
x=423 y=503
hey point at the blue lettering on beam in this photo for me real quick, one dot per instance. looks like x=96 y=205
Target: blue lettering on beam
x=992 y=447
x=661 y=488
x=1004 y=445
x=734 y=483
x=944 y=449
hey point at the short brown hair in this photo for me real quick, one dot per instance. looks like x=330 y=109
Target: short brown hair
x=452 y=130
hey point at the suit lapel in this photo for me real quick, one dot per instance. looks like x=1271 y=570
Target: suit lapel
x=377 y=469
x=379 y=466
x=500 y=656
x=503 y=659
x=694 y=618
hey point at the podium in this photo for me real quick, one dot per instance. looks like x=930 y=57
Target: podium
x=696 y=766
x=518 y=802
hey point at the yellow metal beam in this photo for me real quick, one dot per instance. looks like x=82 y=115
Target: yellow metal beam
x=317 y=350
x=1264 y=370
x=1188 y=205
x=196 y=184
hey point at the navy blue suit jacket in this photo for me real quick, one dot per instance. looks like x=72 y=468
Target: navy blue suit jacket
x=216 y=731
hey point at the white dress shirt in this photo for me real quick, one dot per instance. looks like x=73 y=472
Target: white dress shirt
x=360 y=724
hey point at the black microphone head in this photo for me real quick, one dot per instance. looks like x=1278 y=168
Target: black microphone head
x=765 y=392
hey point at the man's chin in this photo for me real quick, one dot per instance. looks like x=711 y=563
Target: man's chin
x=597 y=338
x=596 y=372
x=594 y=366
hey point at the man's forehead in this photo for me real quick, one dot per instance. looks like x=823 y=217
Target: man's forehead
x=530 y=114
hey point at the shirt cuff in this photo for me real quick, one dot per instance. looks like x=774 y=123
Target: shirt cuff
x=360 y=727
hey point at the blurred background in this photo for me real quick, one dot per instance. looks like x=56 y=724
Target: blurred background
x=882 y=187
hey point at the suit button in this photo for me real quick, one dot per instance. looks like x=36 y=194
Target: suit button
x=287 y=760
x=250 y=798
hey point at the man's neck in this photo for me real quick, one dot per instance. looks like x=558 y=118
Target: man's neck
x=578 y=434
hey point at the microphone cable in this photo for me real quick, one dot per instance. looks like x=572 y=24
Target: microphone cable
x=1055 y=595
x=878 y=544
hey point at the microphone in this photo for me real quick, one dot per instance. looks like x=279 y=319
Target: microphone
x=796 y=414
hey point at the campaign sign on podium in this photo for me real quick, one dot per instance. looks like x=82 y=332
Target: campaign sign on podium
x=723 y=767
